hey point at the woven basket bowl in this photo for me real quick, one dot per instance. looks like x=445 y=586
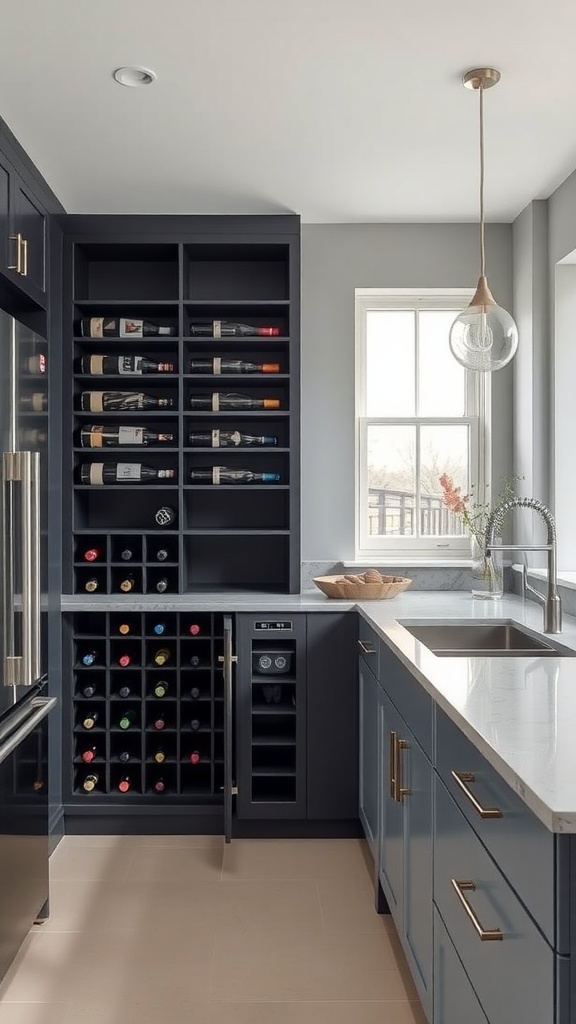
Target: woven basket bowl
x=390 y=587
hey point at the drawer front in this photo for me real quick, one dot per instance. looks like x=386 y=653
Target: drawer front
x=522 y=846
x=513 y=978
x=455 y=1001
x=406 y=693
x=369 y=646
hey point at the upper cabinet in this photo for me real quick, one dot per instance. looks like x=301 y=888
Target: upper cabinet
x=23 y=235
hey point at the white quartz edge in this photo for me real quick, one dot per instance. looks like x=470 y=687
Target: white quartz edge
x=520 y=713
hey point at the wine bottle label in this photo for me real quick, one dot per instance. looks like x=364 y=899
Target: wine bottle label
x=96 y=364
x=130 y=435
x=216 y=474
x=96 y=327
x=95 y=400
x=96 y=473
x=217 y=365
x=128 y=471
x=215 y=401
x=37 y=401
x=215 y=438
x=216 y=330
x=96 y=440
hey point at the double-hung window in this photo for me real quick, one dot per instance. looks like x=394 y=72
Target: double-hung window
x=419 y=414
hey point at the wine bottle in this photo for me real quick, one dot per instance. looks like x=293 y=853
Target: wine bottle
x=124 y=691
x=35 y=365
x=195 y=757
x=159 y=786
x=127 y=719
x=161 y=656
x=33 y=436
x=194 y=661
x=92 y=554
x=161 y=555
x=88 y=691
x=124 y=784
x=109 y=366
x=116 y=436
x=227 y=329
x=161 y=585
x=36 y=402
x=124 y=756
x=89 y=658
x=195 y=724
x=122 y=401
x=195 y=693
x=159 y=756
x=124 y=628
x=219 y=401
x=127 y=584
x=228 y=439
x=90 y=721
x=159 y=723
x=226 y=475
x=121 y=327
x=194 y=629
x=124 y=660
x=90 y=782
x=165 y=516
x=161 y=688
x=159 y=628
x=216 y=365
x=91 y=585
x=126 y=555
x=98 y=473
x=88 y=755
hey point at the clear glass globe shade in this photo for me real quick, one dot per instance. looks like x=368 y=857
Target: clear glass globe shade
x=483 y=338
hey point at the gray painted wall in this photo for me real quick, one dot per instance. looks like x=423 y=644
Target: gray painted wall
x=532 y=364
x=336 y=259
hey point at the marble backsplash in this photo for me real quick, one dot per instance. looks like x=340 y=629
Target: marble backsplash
x=423 y=577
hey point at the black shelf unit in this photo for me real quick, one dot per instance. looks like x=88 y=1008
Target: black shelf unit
x=170 y=271
x=191 y=709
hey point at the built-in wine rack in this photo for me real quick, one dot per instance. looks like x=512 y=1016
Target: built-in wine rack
x=221 y=269
x=157 y=729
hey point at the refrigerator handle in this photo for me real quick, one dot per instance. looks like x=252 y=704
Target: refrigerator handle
x=24 y=670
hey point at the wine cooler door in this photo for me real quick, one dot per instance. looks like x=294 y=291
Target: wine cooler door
x=229 y=789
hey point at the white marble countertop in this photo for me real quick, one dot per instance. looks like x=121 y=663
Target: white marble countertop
x=519 y=712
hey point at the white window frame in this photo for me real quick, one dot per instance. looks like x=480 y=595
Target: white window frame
x=417 y=550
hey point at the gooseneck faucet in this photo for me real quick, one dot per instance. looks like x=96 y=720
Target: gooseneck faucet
x=551 y=602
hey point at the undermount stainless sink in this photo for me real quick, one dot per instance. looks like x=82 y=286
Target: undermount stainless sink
x=494 y=639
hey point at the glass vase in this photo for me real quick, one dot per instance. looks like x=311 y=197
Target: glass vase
x=487 y=571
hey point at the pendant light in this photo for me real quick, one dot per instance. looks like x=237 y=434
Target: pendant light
x=484 y=336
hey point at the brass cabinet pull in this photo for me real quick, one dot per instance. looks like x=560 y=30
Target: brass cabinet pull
x=484 y=934
x=393 y=765
x=402 y=790
x=24 y=270
x=397 y=790
x=18 y=265
x=367 y=648
x=461 y=778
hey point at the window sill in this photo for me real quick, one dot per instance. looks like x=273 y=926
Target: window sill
x=410 y=563
x=565 y=579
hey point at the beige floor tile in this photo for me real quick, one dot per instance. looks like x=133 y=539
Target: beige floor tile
x=393 y=1012
x=192 y=1011
x=348 y=905
x=310 y=968
x=276 y=910
x=35 y=1013
x=137 y=842
x=75 y=861
x=84 y=968
x=176 y=864
x=294 y=858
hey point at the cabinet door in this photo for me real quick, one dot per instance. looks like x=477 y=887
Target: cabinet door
x=405 y=852
x=332 y=715
x=29 y=222
x=369 y=771
x=270 y=710
x=454 y=998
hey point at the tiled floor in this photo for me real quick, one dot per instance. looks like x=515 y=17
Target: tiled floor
x=183 y=929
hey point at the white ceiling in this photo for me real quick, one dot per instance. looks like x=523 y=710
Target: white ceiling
x=339 y=110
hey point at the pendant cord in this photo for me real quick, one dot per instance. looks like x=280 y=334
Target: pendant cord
x=482 y=250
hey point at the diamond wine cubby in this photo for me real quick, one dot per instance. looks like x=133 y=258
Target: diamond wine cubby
x=147 y=708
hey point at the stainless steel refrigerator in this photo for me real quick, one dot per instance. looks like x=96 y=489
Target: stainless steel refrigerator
x=24 y=700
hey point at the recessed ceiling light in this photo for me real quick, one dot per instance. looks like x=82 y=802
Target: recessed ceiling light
x=133 y=76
